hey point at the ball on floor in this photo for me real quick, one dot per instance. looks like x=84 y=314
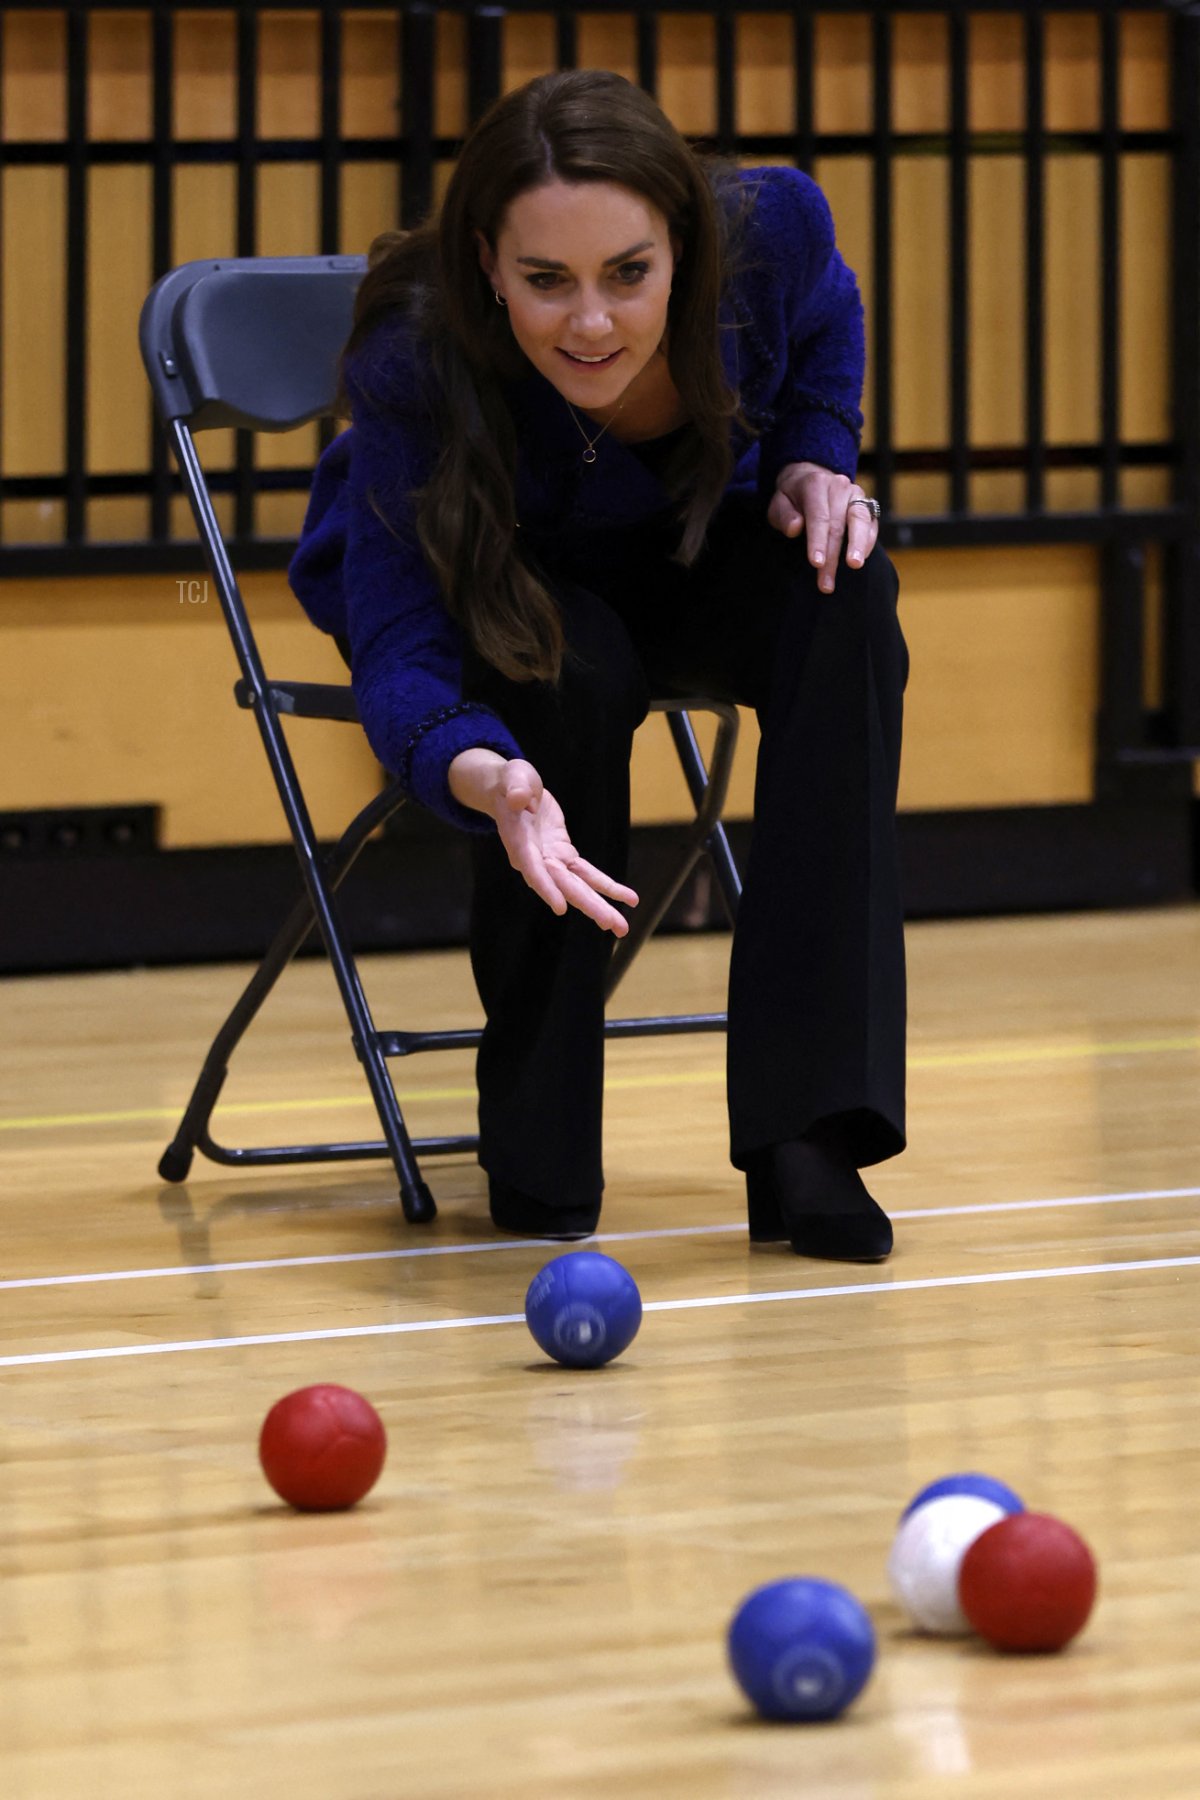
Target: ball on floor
x=583 y=1309
x=984 y=1487
x=1028 y=1583
x=801 y=1649
x=322 y=1447
x=926 y=1556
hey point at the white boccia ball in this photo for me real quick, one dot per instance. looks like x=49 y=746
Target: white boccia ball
x=926 y=1557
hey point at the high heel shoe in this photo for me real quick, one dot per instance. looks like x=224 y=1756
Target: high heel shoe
x=799 y=1193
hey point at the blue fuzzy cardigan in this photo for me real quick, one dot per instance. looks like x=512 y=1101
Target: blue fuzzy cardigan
x=791 y=335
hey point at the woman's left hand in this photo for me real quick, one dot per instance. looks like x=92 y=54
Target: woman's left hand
x=811 y=499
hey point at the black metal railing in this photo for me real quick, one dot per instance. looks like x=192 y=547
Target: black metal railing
x=1123 y=534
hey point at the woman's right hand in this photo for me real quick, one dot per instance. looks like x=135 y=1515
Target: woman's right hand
x=534 y=833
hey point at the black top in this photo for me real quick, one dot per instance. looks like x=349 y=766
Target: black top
x=656 y=452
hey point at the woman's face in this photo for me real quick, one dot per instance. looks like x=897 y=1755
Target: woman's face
x=586 y=270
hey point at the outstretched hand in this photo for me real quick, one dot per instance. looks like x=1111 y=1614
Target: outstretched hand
x=815 y=500
x=534 y=834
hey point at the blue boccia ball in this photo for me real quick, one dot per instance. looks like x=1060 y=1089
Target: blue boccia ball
x=984 y=1487
x=583 y=1309
x=801 y=1649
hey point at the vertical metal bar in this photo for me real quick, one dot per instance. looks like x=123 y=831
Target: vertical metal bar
x=1185 y=261
x=1181 y=634
x=647 y=49
x=960 y=176
x=1035 y=259
x=247 y=232
x=485 y=58
x=802 y=88
x=418 y=45
x=566 y=39
x=1120 y=717
x=2 y=123
x=163 y=128
x=163 y=57
x=247 y=128
x=77 y=254
x=1110 y=258
x=882 y=258
x=330 y=224
x=331 y=128
x=1181 y=641
x=725 y=57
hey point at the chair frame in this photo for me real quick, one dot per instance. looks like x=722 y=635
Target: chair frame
x=191 y=394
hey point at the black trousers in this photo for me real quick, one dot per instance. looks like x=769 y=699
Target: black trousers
x=816 y=988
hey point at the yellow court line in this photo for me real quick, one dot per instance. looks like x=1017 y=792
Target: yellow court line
x=682 y=1078
x=961 y=1059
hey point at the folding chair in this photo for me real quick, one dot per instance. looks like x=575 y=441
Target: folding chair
x=254 y=342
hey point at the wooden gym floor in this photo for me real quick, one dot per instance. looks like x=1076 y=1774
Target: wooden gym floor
x=534 y=1599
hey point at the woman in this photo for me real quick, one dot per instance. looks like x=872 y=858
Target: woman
x=605 y=423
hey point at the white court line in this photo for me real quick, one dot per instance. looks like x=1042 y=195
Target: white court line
x=601 y=1237
x=109 y=1351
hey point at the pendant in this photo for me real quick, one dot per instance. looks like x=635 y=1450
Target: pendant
x=589 y=455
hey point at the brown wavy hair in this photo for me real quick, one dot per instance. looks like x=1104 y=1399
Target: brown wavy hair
x=578 y=126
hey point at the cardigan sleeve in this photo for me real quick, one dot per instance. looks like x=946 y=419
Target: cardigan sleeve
x=406 y=651
x=817 y=313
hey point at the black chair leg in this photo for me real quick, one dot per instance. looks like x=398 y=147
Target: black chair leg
x=708 y=790
x=415 y=1197
x=705 y=834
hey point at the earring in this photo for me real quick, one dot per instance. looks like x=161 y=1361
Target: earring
x=499 y=298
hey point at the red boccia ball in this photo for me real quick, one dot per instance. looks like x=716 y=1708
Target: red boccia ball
x=1028 y=1583
x=322 y=1447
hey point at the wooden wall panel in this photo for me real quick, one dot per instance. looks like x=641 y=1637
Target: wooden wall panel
x=996 y=320
x=1000 y=705
x=450 y=91
x=1000 y=708
x=996 y=75
x=846 y=183
x=119 y=88
x=609 y=41
x=921 y=79
x=370 y=204
x=1145 y=299
x=370 y=65
x=764 y=89
x=205 y=87
x=120 y=270
x=1071 y=320
x=126 y=689
x=529 y=48
x=116 y=691
x=1145 y=72
x=33 y=84
x=1072 y=71
x=687 y=89
x=204 y=211
x=288 y=94
x=33 y=304
x=921 y=301
x=842 y=72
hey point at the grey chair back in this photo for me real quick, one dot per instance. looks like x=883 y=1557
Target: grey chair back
x=250 y=341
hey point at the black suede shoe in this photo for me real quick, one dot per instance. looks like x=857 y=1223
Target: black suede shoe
x=524 y=1216
x=802 y=1194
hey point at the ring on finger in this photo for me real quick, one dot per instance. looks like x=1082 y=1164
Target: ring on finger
x=872 y=505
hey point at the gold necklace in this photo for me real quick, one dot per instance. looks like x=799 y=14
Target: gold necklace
x=589 y=452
